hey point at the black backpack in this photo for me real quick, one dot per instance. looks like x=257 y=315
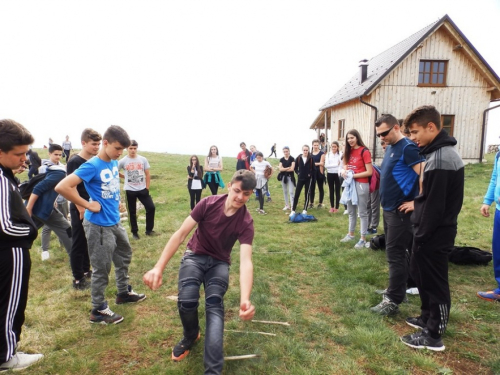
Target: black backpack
x=26 y=188
x=378 y=242
x=469 y=255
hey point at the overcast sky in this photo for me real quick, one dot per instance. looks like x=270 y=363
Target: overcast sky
x=180 y=76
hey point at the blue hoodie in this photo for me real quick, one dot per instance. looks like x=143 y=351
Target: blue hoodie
x=493 y=193
x=45 y=190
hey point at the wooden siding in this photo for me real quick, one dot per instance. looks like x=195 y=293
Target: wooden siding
x=464 y=96
x=357 y=116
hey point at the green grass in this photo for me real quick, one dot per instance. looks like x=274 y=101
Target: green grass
x=303 y=275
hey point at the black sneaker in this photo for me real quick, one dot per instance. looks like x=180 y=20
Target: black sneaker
x=151 y=233
x=423 y=340
x=181 y=350
x=103 y=315
x=416 y=322
x=135 y=236
x=81 y=284
x=88 y=275
x=129 y=297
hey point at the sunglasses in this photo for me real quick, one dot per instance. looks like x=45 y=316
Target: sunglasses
x=384 y=134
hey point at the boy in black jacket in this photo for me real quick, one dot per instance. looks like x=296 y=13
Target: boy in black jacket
x=435 y=226
x=17 y=233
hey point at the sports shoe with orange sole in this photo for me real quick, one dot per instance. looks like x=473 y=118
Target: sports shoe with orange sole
x=181 y=350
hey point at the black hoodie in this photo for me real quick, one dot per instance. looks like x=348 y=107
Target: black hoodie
x=438 y=206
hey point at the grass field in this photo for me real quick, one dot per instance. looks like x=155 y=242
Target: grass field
x=303 y=275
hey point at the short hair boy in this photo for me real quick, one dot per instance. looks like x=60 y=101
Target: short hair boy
x=107 y=240
x=221 y=220
x=137 y=180
x=493 y=195
x=434 y=219
x=41 y=201
x=79 y=255
x=17 y=233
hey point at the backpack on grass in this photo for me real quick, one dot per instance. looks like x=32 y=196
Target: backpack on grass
x=26 y=188
x=301 y=218
x=469 y=255
x=377 y=242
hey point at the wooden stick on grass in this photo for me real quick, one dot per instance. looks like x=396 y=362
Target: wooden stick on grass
x=260 y=333
x=237 y=357
x=269 y=322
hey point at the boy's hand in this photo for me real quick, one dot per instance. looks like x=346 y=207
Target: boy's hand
x=153 y=278
x=485 y=210
x=407 y=207
x=247 y=310
x=94 y=206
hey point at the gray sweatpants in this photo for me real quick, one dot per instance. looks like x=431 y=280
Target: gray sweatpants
x=363 y=190
x=60 y=226
x=107 y=245
x=288 y=190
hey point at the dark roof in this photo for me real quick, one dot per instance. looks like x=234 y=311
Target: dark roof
x=381 y=65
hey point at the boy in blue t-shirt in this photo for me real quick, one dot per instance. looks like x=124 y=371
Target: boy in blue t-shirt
x=106 y=238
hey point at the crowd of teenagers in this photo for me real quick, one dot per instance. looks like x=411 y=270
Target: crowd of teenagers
x=421 y=193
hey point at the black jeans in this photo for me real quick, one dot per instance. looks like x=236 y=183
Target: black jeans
x=79 y=254
x=320 y=180
x=147 y=201
x=334 y=189
x=429 y=269
x=302 y=184
x=398 y=232
x=214 y=275
x=195 y=196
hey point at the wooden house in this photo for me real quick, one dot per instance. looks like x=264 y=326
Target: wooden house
x=435 y=66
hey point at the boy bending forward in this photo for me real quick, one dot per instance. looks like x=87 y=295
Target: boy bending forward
x=221 y=219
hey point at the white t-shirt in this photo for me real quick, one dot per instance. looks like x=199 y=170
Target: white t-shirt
x=259 y=168
x=195 y=183
x=214 y=162
x=135 y=177
x=333 y=162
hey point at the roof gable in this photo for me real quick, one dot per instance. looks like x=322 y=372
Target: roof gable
x=381 y=65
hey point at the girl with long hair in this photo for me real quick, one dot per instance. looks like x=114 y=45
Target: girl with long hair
x=357 y=163
x=333 y=160
x=258 y=167
x=318 y=176
x=286 y=168
x=304 y=167
x=213 y=167
x=195 y=177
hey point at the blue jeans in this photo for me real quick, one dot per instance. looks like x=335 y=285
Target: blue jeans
x=214 y=274
x=496 y=248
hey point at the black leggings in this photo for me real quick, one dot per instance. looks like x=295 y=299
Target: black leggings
x=320 y=180
x=334 y=189
x=261 y=198
x=302 y=184
x=214 y=186
x=195 y=197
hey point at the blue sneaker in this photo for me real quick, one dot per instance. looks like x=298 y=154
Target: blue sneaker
x=489 y=296
x=372 y=231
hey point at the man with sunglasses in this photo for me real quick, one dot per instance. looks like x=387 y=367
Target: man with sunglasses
x=399 y=184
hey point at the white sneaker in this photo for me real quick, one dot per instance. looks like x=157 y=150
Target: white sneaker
x=304 y=212
x=346 y=212
x=286 y=208
x=347 y=238
x=20 y=361
x=45 y=255
x=412 y=291
x=292 y=213
x=361 y=243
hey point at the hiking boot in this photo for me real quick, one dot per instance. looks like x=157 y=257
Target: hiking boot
x=181 y=350
x=361 y=244
x=135 y=236
x=45 y=255
x=20 y=361
x=104 y=315
x=423 y=340
x=129 y=297
x=416 y=322
x=347 y=238
x=386 y=307
x=81 y=284
x=489 y=296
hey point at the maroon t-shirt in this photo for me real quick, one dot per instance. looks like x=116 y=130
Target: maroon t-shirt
x=217 y=233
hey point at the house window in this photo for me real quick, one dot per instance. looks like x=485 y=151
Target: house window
x=448 y=123
x=432 y=73
x=341 y=129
